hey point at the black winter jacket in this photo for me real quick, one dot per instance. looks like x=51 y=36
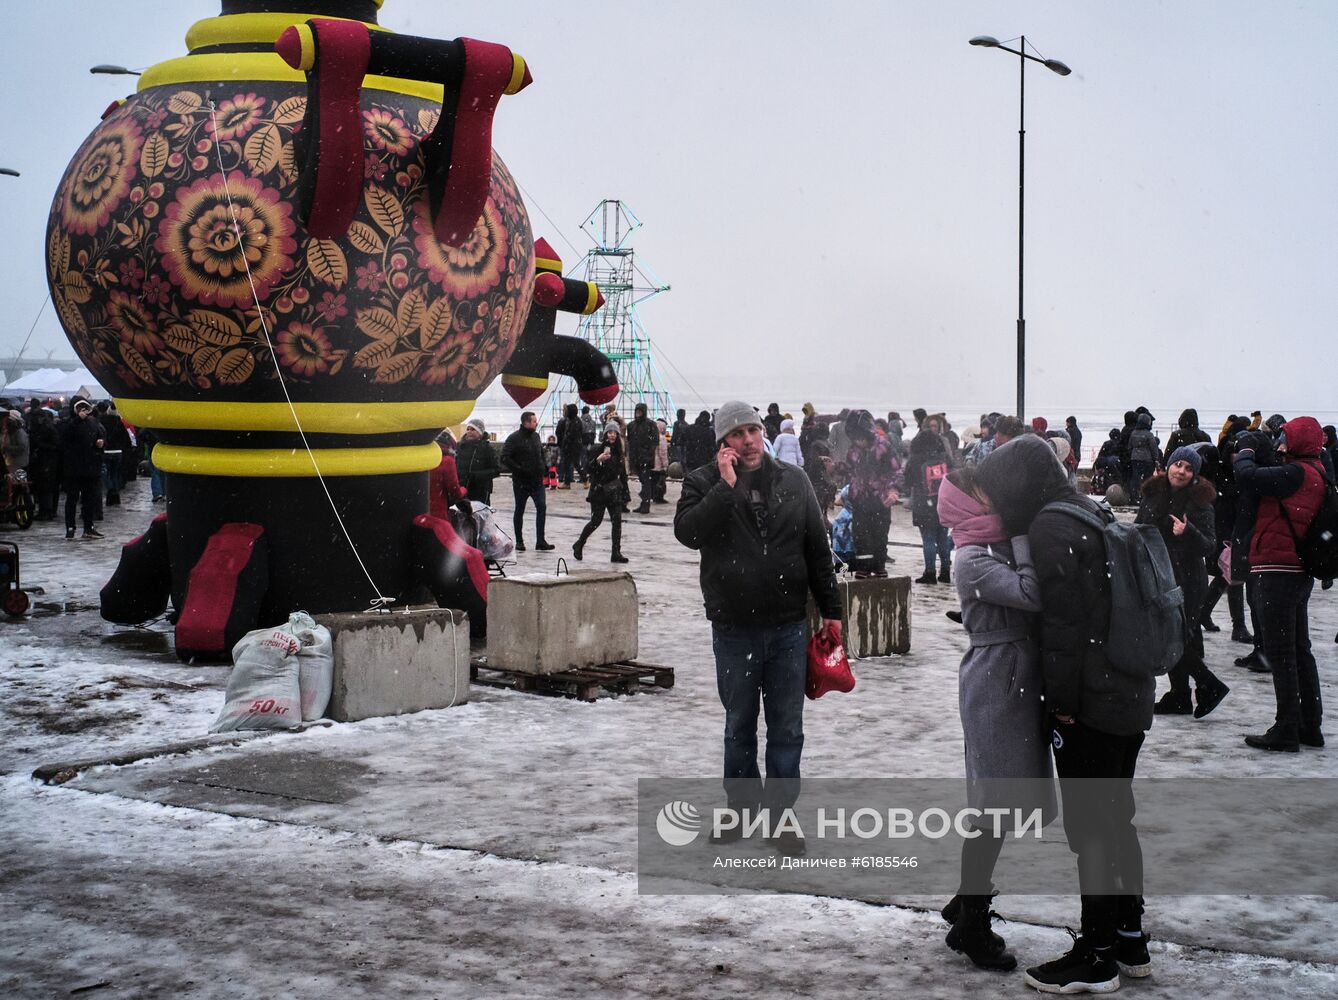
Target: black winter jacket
x=81 y=458
x=1070 y=559
x=476 y=463
x=699 y=443
x=1194 y=504
x=1022 y=478
x=608 y=479
x=748 y=579
x=523 y=456
x=643 y=438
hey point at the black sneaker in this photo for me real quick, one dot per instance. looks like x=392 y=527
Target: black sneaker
x=1239 y=633
x=1131 y=954
x=544 y=547
x=926 y=578
x=1083 y=970
x=520 y=546
x=944 y=576
x=1210 y=626
x=69 y=533
x=93 y=533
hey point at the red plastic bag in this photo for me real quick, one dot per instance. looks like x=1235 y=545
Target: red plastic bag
x=828 y=667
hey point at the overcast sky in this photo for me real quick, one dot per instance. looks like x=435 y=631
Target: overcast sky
x=831 y=189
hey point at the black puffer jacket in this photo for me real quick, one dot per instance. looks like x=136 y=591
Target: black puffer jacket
x=476 y=463
x=1194 y=504
x=523 y=456
x=1021 y=478
x=81 y=456
x=927 y=450
x=608 y=479
x=699 y=442
x=1187 y=431
x=749 y=579
x=643 y=437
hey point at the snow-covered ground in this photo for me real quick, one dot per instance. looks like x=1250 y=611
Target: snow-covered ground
x=489 y=850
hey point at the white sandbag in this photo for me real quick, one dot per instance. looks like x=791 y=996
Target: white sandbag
x=493 y=542
x=264 y=689
x=315 y=665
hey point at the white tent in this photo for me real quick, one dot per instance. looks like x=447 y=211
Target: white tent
x=54 y=382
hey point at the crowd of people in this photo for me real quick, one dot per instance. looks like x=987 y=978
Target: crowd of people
x=81 y=449
x=1045 y=689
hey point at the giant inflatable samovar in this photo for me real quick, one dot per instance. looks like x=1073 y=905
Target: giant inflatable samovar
x=294 y=257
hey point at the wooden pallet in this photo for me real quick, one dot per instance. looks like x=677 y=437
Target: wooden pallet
x=586 y=684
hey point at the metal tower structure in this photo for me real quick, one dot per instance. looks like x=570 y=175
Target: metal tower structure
x=616 y=329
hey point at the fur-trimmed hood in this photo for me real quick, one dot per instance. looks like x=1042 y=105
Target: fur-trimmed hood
x=1199 y=493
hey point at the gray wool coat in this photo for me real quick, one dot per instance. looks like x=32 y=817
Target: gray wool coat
x=1000 y=684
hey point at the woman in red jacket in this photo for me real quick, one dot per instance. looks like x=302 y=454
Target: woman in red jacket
x=444 y=487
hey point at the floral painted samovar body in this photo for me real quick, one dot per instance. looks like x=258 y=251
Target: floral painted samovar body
x=293 y=256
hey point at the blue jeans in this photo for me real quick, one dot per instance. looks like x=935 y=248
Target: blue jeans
x=157 y=480
x=935 y=540
x=535 y=491
x=766 y=663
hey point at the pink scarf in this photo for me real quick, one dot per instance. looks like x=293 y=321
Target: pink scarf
x=971 y=524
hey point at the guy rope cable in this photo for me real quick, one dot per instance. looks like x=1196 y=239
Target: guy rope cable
x=380 y=601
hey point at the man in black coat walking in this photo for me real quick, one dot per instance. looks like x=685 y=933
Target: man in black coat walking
x=81 y=443
x=643 y=438
x=523 y=457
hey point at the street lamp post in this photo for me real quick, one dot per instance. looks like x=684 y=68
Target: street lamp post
x=1054 y=65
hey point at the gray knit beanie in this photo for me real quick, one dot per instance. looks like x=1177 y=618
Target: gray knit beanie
x=477 y=424
x=612 y=426
x=733 y=415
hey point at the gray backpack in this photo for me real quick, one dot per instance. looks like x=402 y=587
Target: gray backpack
x=1147 y=606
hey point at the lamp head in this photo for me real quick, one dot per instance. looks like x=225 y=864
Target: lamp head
x=988 y=41
x=1058 y=67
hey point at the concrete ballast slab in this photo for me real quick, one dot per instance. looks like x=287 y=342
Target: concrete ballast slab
x=877 y=619
x=389 y=664
x=546 y=624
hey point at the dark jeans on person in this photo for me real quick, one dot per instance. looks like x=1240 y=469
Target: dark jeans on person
x=870 y=522
x=766 y=663
x=1190 y=663
x=597 y=510
x=1137 y=476
x=113 y=471
x=1284 y=611
x=524 y=490
x=157 y=480
x=934 y=539
x=86 y=491
x=569 y=467
x=646 y=477
x=1099 y=824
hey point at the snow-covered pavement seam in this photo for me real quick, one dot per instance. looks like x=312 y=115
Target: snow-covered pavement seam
x=405 y=844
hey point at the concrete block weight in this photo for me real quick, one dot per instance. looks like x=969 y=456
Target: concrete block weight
x=390 y=664
x=877 y=620
x=547 y=624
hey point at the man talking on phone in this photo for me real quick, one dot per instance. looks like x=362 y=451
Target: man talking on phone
x=763 y=547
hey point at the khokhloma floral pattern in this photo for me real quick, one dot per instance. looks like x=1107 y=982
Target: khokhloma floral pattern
x=177 y=215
